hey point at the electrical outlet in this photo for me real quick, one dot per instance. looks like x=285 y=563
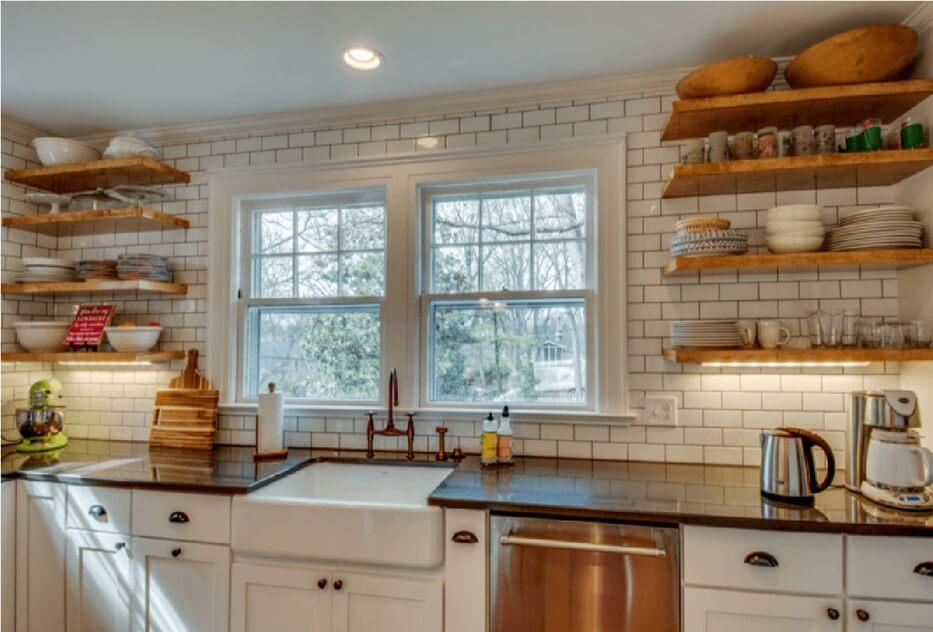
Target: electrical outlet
x=660 y=411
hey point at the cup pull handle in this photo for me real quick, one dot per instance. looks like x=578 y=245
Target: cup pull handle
x=97 y=511
x=179 y=517
x=924 y=568
x=762 y=559
x=464 y=537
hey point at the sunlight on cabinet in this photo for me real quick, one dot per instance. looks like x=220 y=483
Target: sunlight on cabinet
x=40 y=547
x=99 y=582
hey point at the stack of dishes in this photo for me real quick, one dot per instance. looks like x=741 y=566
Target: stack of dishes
x=795 y=228
x=147 y=267
x=44 y=270
x=106 y=269
x=705 y=236
x=877 y=228
x=706 y=333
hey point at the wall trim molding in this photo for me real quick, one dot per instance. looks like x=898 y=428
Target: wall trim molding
x=18 y=131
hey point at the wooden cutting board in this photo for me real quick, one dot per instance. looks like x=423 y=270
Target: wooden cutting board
x=185 y=415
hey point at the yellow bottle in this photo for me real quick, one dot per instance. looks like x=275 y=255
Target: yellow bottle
x=489 y=453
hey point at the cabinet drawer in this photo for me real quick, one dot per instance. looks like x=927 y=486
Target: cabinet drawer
x=178 y=516
x=739 y=558
x=710 y=610
x=103 y=509
x=882 y=566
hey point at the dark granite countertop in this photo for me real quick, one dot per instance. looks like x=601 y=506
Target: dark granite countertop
x=656 y=493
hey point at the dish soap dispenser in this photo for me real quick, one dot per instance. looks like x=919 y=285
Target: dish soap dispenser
x=504 y=442
x=488 y=455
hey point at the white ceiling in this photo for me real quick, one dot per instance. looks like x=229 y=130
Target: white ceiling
x=77 y=68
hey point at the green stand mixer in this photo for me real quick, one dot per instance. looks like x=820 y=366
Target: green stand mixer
x=40 y=425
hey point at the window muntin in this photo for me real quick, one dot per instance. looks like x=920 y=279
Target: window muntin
x=509 y=293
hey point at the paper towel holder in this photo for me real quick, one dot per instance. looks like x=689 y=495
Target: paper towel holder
x=275 y=454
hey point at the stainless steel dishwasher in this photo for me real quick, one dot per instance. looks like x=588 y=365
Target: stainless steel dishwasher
x=575 y=576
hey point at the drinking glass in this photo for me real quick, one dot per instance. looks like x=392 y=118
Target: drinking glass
x=850 y=328
x=832 y=334
x=816 y=330
x=892 y=336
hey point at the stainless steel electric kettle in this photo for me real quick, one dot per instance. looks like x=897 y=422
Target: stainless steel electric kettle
x=788 y=473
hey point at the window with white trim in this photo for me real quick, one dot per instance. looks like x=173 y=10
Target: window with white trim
x=313 y=287
x=508 y=292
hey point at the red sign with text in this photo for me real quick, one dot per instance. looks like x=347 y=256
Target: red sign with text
x=87 y=328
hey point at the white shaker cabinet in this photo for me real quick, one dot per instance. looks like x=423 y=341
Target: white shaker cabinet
x=8 y=557
x=279 y=598
x=465 y=570
x=888 y=616
x=364 y=602
x=40 y=556
x=99 y=582
x=180 y=586
x=709 y=610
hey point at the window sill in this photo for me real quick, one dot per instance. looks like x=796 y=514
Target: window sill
x=444 y=414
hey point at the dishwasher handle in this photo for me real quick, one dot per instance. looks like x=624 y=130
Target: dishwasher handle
x=544 y=543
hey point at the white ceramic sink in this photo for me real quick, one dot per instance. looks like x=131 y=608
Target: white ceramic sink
x=366 y=513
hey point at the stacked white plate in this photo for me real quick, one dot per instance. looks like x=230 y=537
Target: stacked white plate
x=42 y=269
x=711 y=242
x=705 y=333
x=877 y=228
x=794 y=228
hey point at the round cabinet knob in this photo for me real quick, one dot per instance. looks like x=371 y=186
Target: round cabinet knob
x=338 y=584
x=322 y=583
x=862 y=615
x=176 y=552
x=832 y=613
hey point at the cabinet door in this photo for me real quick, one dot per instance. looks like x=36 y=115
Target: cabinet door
x=365 y=602
x=8 y=557
x=280 y=598
x=180 y=586
x=889 y=616
x=465 y=570
x=40 y=557
x=99 y=582
x=708 y=610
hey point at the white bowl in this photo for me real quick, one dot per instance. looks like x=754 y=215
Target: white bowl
x=781 y=226
x=133 y=339
x=41 y=335
x=60 y=151
x=781 y=243
x=811 y=212
x=125 y=146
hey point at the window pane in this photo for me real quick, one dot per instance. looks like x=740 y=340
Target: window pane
x=317 y=230
x=456 y=269
x=363 y=228
x=363 y=274
x=275 y=231
x=507 y=217
x=456 y=220
x=560 y=214
x=532 y=352
x=506 y=267
x=560 y=265
x=317 y=276
x=329 y=353
x=275 y=277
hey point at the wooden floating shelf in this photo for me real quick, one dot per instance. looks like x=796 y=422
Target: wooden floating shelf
x=876 y=259
x=122 y=220
x=796 y=356
x=92 y=356
x=81 y=287
x=839 y=105
x=109 y=172
x=827 y=171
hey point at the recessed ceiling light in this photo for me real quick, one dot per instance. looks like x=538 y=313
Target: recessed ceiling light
x=362 y=58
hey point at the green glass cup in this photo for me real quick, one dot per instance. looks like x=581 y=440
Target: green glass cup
x=855 y=142
x=912 y=136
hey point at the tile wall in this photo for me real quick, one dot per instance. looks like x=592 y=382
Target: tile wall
x=720 y=413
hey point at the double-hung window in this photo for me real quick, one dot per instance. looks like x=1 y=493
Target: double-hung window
x=313 y=286
x=508 y=290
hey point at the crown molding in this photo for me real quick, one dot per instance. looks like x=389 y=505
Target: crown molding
x=18 y=131
x=395 y=111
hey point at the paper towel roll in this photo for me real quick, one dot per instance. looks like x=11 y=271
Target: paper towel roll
x=271 y=421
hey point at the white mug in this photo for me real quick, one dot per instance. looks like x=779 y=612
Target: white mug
x=748 y=329
x=898 y=459
x=772 y=334
x=718 y=146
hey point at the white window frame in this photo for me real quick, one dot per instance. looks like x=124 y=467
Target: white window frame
x=584 y=179
x=404 y=178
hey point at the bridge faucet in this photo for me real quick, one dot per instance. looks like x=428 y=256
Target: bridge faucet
x=390 y=430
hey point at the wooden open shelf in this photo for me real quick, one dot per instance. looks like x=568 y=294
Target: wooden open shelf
x=109 y=172
x=121 y=220
x=871 y=259
x=792 y=173
x=92 y=356
x=81 y=287
x=839 y=105
x=798 y=356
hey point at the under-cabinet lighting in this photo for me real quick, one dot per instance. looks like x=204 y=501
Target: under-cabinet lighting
x=103 y=363
x=362 y=58
x=787 y=364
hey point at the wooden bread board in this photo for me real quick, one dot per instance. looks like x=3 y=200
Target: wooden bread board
x=185 y=416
